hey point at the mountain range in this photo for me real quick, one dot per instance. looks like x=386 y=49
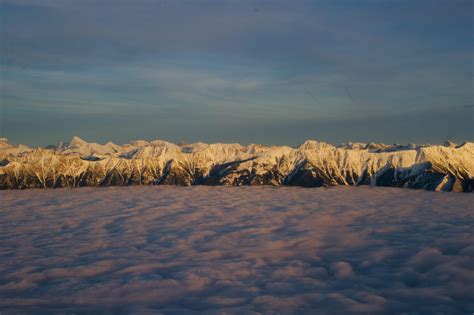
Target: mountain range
x=447 y=167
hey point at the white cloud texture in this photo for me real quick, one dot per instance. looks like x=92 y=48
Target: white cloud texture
x=236 y=249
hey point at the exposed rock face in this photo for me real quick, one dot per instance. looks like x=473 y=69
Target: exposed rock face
x=312 y=164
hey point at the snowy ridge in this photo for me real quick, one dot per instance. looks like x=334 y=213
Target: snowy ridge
x=445 y=167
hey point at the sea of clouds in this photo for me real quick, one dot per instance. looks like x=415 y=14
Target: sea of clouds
x=236 y=249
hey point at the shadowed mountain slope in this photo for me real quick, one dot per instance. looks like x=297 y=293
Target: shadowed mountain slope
x=445 y=167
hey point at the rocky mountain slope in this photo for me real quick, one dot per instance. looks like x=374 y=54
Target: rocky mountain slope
x=447 y=167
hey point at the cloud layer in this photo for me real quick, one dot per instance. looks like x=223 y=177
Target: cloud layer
x=244 y=249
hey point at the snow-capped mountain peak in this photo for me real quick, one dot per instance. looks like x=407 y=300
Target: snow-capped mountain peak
x=313 y=163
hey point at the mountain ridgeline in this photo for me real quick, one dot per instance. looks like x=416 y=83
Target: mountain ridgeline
x=447 y=167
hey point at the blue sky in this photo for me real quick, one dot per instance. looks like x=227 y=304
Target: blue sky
x=272 y=72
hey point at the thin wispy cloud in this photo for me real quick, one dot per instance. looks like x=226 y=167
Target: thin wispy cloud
x=233 y=61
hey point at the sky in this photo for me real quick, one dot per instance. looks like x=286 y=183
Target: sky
x=270 y=72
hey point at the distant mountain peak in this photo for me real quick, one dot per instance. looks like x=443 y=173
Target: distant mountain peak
x=76 y=141
x=448 y=143
x=4 y=143
x=314 y=144
x=312 y=164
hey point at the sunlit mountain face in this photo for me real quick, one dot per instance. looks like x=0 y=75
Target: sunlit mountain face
x=447 y=167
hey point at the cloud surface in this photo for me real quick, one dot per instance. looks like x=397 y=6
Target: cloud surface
x=236 y=249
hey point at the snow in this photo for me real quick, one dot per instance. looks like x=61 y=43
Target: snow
x=167 y=249
x=4 y=143
x=314 y=162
